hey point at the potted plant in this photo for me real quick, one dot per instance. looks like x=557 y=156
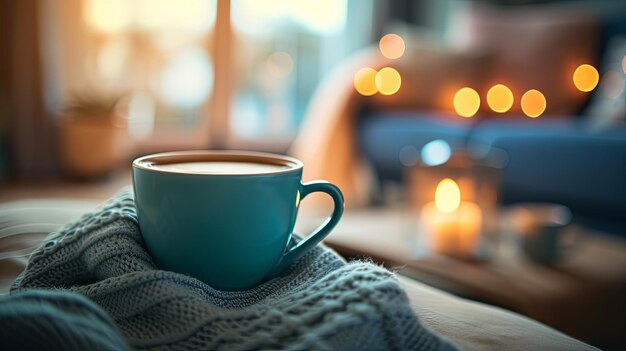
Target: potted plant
x=93 y=137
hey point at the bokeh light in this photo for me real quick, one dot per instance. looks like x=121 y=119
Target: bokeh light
x=533 y=103
x=109 y=16
x=436 y=152
x=391 y=46
x=612 y=84
x=447 y=196
x=586 y=77
x=114 y=16
x=388 y=81
x=187 y=79
x=365 y=81
x=112 y=58
x=500 y=98
x=279 y=64
x=408 y=155
x=466 y=102
x=624 y=64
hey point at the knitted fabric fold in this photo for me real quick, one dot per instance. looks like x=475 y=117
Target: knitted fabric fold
x=320 y=302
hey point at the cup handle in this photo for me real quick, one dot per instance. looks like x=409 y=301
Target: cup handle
x=318 y=234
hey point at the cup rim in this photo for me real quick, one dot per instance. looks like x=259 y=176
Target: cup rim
x=222 y=155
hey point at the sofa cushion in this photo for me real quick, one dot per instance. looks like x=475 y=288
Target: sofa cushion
x=432 y=73
x=523 y=41
x=562 y=161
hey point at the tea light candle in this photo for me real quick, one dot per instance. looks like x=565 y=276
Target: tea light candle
x=454 y=226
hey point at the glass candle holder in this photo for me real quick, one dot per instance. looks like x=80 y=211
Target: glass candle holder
x=457 y=203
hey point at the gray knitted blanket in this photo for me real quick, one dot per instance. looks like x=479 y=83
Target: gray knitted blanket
x=319 y=303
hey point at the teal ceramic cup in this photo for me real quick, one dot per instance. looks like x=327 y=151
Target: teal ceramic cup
x=230 y=230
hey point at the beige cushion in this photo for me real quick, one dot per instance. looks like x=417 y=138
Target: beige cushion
x=431 y=74
x=535 y=47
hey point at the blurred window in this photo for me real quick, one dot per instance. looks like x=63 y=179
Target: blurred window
x=282 y=50
x=162 y=55
x=157 y=52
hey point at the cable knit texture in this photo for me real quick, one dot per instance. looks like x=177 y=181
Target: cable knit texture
x=319 y=303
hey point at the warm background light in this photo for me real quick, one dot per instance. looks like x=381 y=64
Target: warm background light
x=586 y=77
x=533 y=103
x=500 y=98
x=365 y=81
x=624 y=64
x=388 y=81
x=466 y=102
x=109 y=15
x=116 y=16
x=447 y=196
x=391 y=46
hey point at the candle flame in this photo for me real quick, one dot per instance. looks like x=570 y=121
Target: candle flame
x=447 y=196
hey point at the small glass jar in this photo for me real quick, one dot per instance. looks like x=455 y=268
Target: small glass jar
x=456 y=202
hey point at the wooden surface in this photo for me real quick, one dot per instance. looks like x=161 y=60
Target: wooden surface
x=583 y=295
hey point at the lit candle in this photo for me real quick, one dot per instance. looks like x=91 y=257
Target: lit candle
x=453 y=225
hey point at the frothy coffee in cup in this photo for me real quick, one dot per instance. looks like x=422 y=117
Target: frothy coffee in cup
x=217 y=167
x=225 y=217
